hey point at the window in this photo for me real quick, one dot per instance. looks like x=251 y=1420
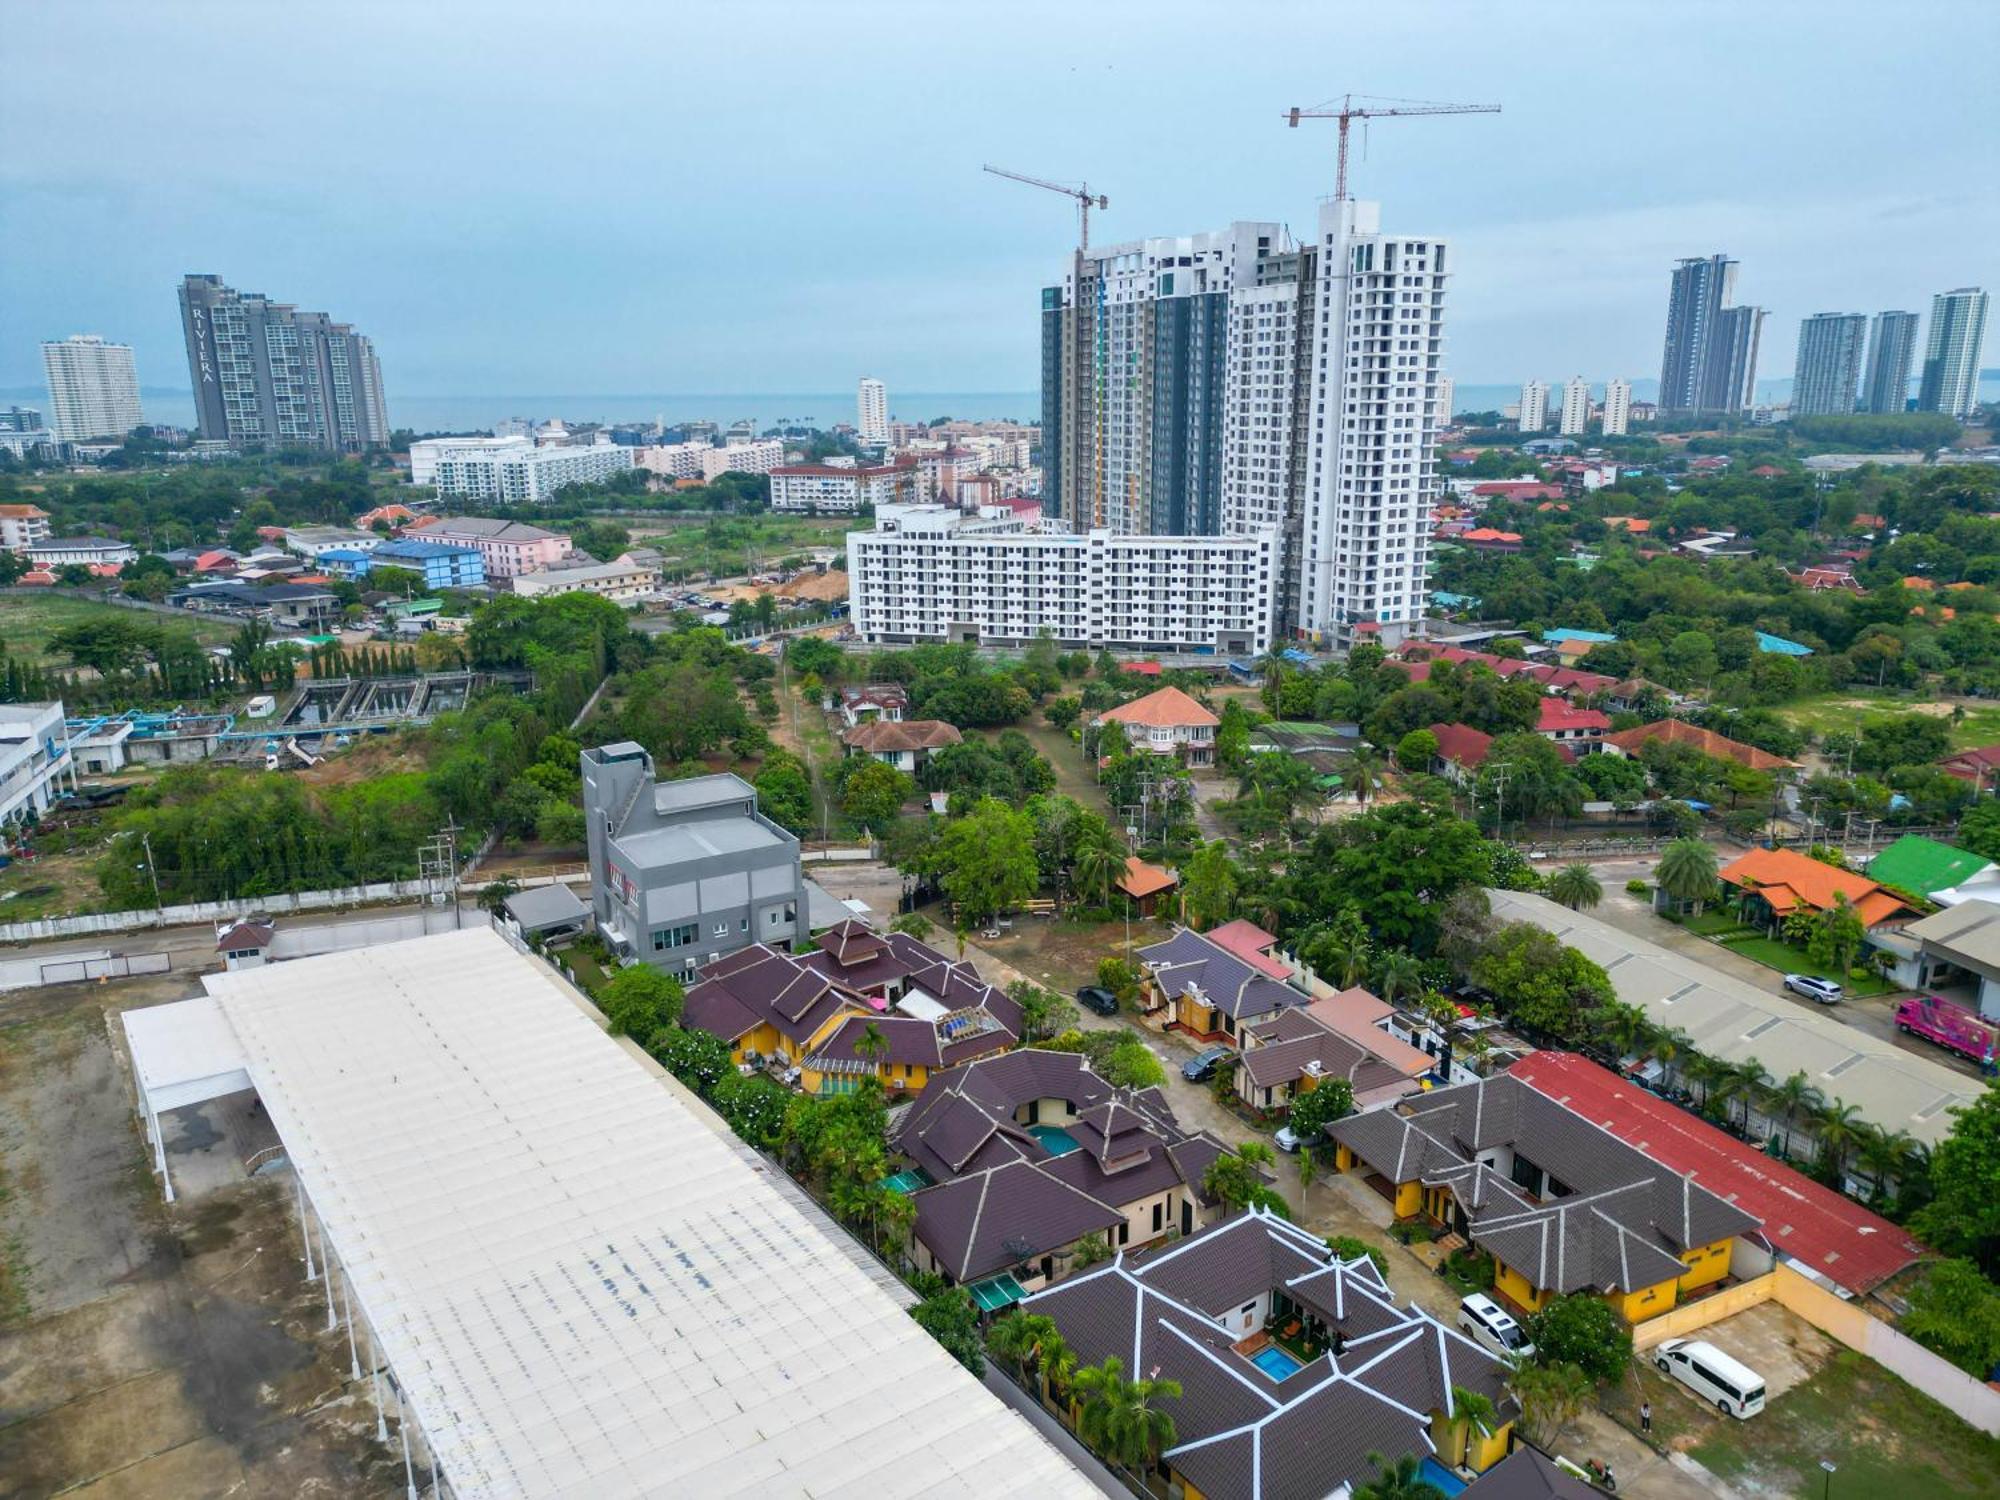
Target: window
x=722 y=929
x=665 y=938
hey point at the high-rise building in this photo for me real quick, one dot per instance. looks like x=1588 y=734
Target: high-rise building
x=93 y=387
x=1617 y=406
x=1534 y=405
x=266 y=372
x=1951 y=353
x=1576 y=406
x=1445 y=393
x=1829 y=364
x=872 y=405
x=1892 y=348
x=1710 y=358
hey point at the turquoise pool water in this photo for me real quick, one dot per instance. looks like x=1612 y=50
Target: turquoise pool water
x=1275 y=1362
x=1055 y=1140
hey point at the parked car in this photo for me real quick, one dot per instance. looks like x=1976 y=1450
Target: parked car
x=1952 y=1027
x=1289 y=1139
x=1735 y=1388
x=1201 y=1067
x=1492 y=1327
x=1095 y=997
x=1825 y=991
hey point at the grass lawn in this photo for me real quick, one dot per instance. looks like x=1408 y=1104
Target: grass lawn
x=1840 y=712
x=1073 y=778
x=590 y=975
x=1714 y=923
x=28 y=620
x=1789 y=960
x=1887 y=1438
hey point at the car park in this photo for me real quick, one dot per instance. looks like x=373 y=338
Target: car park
x=1812 y=987
x=1493 y=1328
x=1094 y=997
x=1201 y=1067
x=1735 y=1389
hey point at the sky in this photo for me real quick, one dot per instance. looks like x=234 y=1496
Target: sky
x=760 y=197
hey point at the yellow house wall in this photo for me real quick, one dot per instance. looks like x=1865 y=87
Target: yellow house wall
x=1645 y=1302
x=1517 y=1287
x=1706 y=1265
x=1462 y=1443
x=1344 y=1160
x=1186 y=1489
x=1409 y=1198
x=762 y=1040
x=1487 y=1449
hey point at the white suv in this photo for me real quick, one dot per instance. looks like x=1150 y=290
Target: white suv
x=1492 y=1327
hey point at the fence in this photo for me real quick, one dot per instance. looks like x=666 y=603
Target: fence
x=1938 y=1378
x=29 y=973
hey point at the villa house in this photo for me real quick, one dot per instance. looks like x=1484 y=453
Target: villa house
x=1015 y=1159
x=906 y=744
x=1334 y=1037
x=1167 y=722
x=1629 y=742
x=1145 y=885
x=1294 y=1365
x=805 y=1017
x=1561 y=1204
x=1578 y=730
x=886 y=702
x=1461 y=751
x=1773 y=883
x=1194 y=984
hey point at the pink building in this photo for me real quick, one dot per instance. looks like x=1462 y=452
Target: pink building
x=510 y=548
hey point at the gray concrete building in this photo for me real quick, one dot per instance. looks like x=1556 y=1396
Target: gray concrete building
x=1709 y=363
x=268 y=373
x=684 y=872
x=1828 y=371
x=1951 y=353
x=1892 y=350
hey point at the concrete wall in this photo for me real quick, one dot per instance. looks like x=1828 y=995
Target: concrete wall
x=1938 y=1378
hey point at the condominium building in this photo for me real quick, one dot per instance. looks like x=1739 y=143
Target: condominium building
x=1951 y=353
x=833 y=490
x=1617 y=407
x=1534 y=406
x=525 y=474
x=21 y=526
x=672 y=460
x=625 y=579
x=1828 y=371
x=872 y=410
x=267 y=372
x=751 y=456
x=508 y=548
x=934 y=573
x=1892 y=350
x=1575 y=407
x=34 y=755
x=1445 y=394
x=425 y=453
x=1709 y=362
x=93 y=387
x=684 y=872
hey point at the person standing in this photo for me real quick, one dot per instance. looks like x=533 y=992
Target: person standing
x=1646 y=1416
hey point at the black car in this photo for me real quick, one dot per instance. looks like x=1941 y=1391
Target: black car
x=1096 y=997
x=1201 y=1067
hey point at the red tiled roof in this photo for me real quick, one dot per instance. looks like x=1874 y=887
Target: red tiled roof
x=901 y=734
x=1707 y=741
x=1834 y=1235
x=1975 y=764
x=1552 y=714
x=1166 y=709
x=1463 y=744
x=1637 y=525
x=1487 y=535
x=1142 y=668
x=1251 y=943
x=1519 y=489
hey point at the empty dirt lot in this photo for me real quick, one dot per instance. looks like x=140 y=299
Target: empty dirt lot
x=150 y=1350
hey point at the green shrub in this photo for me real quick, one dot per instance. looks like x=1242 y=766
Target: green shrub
x=1636 y=888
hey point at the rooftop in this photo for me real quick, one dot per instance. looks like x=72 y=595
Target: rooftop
x=1787 y=879
x=1168 y=708
x=886 y=735
x=1707 y=741
x=1924 y=866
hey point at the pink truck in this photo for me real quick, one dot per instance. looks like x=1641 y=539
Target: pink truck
x=1952 y=1027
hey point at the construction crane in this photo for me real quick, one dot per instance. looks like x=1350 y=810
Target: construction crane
x=1085 y=199
x=1370 y=108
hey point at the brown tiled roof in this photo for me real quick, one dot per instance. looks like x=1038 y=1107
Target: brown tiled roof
x=1707 y=741
x=1190 y=960
x=901 y=734
x=1168 y=708
x=1141 y=879
x=1529 y=1474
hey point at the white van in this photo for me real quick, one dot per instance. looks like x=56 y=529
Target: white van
x=1735 y=1388
x=1492 y=1327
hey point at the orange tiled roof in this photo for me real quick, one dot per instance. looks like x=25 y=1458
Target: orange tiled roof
x=1637 y=525
x=1707 y=741
x=1141 y=879
x=1787 y=880
x=23 y=513
x=1165 y=709
x=1922 y=584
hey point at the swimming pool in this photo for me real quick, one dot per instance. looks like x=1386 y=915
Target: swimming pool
x=1276 y=1362
x=1055 y=1140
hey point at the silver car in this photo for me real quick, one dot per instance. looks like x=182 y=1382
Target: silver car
x=1825 y=991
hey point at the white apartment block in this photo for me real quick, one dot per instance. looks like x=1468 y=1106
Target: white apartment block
x=624 y=580
x=1617 y=406
x=1576 y=406
x=21 y=526
x=93 y=387
x=1377 y=348
x=513 y=477
x=1445 y=393
x=311 y=541
x=672 y=460
x=34 y=754
x=425 y=453
x=934 y=573
x=758 y=456
x=840 y=490
x=1534 y=412
x=1259 y=381
x=872 y=410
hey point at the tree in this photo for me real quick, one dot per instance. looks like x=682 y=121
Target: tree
x=1397 y=862
x=697 y=1058
x=1121 y=977
x=1399 y=1480
x=110 y=645
x=1044 y=1013
x=1235 y=1180
x=1540 y=982
x=1208 y=886
x=1955 y=1311
x=1552 y=1396
x=1963 y=1217
x=639 y=1000
x=1470 y=1409
x=874 y=793
x=1686 y=872
x=1129 y=1063
x=949 y=1316
x=494 y=897
x=1318 y=1107
x=1837 y=937
x=1575 y=886
x=1348 y=1248
x=1582 y=1330
x=915 y=923
x=1398 y=974
x=871 y=1046
x=1095 y=870
x=1794 y=1098
x=986 y=860
x=1416 y=750
x=1120 y=1419
x=784 y=791
x=1024 y=1339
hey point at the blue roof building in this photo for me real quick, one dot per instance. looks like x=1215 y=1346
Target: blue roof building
x=442 y=567
x=1777 y=645
x=1450 y=601
x=1595 y=637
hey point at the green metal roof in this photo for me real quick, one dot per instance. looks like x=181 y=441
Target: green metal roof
x=996 y=1292
x=1915 y=863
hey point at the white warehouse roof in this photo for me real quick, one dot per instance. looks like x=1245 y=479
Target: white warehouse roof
x=583 y=1288
x=1735 y=1021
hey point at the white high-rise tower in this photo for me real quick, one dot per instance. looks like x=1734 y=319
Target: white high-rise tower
x=1444 y=400
x=1534 y=406
x=93 y=388
x=1617 y=406
x=1379 y=346
x=1576 y=406
x=872 y=404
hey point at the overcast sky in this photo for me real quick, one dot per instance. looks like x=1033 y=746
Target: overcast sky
x=778 y=197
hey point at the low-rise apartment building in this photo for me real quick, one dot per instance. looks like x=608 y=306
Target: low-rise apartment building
x=935 y=573
x=525 y=475
x=91 y=551
x=829 y=490
x=34 y=757
x=707 y=462
x=21 y=526
x=625 y=580
x=311 y=541
x=685 y=872
x=441 y=565
x=509 y=548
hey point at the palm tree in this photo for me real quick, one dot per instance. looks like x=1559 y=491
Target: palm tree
x=871 y=1046
x=1576 y=887
x=1364 y=765
x=1840 y=1131
x=1885 y=1157
x=1119 y=1419
x=1705 y=1073
x=1095 y=870
x=1686 y=872
x=1470 y=1409
x=494 y=897
x=1401 y=1480
x=1623 y=1027
x=1794 y=1097
x=1745 y=1081
x=1397 y=974
x=1020 y=1339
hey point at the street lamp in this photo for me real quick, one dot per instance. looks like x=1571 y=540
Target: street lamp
x=1830 y=1466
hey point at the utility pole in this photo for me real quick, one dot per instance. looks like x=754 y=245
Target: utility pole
x=437 y=867
x=153 y=873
